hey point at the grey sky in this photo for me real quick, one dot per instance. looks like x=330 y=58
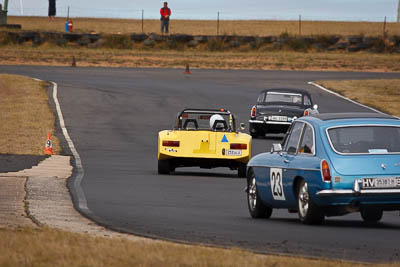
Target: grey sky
x=372 y=10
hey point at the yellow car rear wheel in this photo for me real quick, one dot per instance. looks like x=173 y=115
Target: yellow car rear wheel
x=242 y=170
x=164 y=166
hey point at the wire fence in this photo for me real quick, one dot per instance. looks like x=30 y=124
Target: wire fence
x=16 y=9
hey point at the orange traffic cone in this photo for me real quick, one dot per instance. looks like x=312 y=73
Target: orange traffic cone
x=73 y=62
x=187 y=71
x=48 y=148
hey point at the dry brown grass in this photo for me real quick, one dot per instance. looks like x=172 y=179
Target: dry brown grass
x=383 y=95
x=265 y=57
x=25 y=112
x=208 y=27
x=281 y=60
x=25 y=117
x=46 y=247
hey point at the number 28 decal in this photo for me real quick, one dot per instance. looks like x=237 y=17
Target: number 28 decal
x=275 y=176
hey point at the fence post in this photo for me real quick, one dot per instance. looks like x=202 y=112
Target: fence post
x=142 y=20
x=218 y=23
x=384 y=28
x=300 y=25
x=4 y=13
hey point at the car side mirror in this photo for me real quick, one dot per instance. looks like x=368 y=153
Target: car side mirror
x=242 y=126
x=276 y=148
x=315 y=106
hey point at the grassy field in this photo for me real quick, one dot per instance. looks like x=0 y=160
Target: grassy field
x=46 y=247
x=25 y=117
x=383 y=95
x=209 y=27
x=162 y=55
x=158 y=58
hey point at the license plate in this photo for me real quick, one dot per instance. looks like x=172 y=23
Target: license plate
x=389 y=182
x=234 y=152
x=277 y=118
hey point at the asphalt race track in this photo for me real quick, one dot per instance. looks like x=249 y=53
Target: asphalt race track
x=113 y=116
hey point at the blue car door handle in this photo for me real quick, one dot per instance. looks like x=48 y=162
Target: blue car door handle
x=286 y=161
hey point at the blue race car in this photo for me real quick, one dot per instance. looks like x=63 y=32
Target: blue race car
x=329 y=165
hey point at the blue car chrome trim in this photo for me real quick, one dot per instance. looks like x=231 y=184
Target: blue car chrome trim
x=280 y=167
x=313 y=133
x=357 y=191
x=358 y=125
x=336 y=192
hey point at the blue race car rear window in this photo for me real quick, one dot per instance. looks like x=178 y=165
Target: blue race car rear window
x=365 y=139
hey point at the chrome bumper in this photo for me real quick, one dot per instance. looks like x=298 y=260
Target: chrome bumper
x=356 y=191
x=270 y=122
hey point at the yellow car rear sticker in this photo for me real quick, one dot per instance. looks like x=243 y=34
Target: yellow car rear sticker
x=224 y=139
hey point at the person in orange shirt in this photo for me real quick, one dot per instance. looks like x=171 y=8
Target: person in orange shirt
x=165 y=14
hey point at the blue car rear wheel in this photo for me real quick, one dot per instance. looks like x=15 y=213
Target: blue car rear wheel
x=309 y=213
x=371 y=215
x=257 y=209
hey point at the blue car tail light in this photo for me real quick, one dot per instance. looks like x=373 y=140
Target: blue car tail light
x=325 y=172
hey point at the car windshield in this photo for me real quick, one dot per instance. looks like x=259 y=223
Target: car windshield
x=365 y=139
x=289 y=98
x=206 y=121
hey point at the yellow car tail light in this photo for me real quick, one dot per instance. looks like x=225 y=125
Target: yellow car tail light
x=171 y=143
x=238 y=146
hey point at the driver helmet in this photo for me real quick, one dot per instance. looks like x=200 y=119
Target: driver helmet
x=216 y=117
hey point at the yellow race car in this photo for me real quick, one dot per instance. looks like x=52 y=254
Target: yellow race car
x=204 y=138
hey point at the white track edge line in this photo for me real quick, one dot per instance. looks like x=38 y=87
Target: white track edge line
x=350 y=100
x=346 y=98
x=82 y=203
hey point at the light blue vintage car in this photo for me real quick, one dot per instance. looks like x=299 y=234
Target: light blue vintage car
x=329 y=165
